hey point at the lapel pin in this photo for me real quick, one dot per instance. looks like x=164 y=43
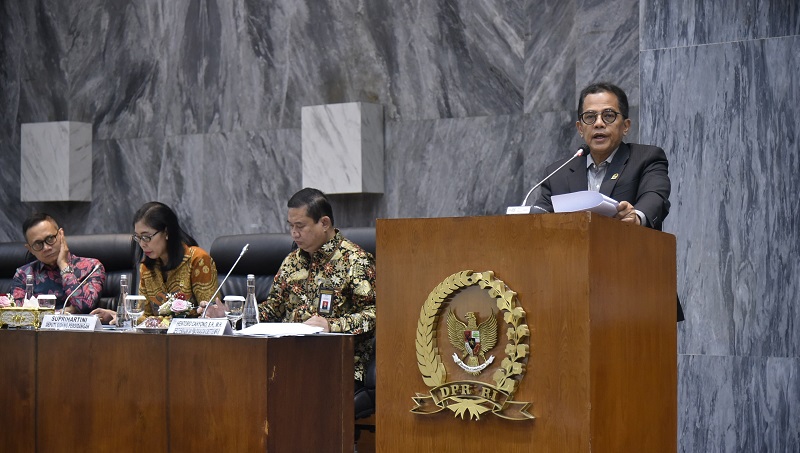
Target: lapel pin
x=615 y=176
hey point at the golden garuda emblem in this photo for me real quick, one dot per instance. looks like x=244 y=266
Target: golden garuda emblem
x=472 y=340
x=492 y=393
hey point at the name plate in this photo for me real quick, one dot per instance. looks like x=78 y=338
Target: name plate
x=199 y=326
x=518 y=210
x=79 y=323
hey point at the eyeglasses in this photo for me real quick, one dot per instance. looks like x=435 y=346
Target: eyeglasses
x=144 y=238
x=37 y=246
x=590 y=117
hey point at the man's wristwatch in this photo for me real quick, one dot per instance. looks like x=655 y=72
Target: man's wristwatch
x=66 y=270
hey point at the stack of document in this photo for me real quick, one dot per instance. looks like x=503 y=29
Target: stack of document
x=279 y=329
x=586 y=200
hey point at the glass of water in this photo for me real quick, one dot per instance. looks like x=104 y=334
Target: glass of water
x=47 y=301
x=135 y=306
x=233 y=309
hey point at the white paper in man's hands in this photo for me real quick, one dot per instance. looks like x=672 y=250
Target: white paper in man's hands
x=586 y=200
x=280 y=329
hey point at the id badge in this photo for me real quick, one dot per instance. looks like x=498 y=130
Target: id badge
x=325 y=302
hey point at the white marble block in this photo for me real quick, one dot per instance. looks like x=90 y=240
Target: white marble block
x=343 y=148
x=56 y=162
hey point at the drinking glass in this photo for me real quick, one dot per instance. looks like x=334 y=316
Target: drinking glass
x=47 y=300
x=233 y=309
x=135 y=306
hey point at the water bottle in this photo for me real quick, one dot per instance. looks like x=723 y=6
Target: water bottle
x=250 y=312
x=28 y=287
x=123 y=320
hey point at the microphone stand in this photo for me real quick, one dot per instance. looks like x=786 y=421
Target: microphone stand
x=85 y=279
x=211 y=299
x=577 y=154
x=524 y=208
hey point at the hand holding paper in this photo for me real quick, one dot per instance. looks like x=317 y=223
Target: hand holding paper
x=627 y=213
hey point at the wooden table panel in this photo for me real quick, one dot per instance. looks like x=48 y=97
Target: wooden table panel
x=103 y=390
x=218 y=393
x=18 y=390
x=111 y=391
x=293 y=396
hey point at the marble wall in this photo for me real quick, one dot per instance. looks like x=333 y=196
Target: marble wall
x=197 y=103
x=719 y=90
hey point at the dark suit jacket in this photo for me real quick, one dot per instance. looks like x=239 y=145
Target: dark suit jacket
x=642 y=180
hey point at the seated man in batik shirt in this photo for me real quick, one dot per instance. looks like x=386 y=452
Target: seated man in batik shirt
x=328 y=281
x=56 y=270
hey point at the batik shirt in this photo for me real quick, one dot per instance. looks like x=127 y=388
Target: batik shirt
x=195 y=278
x=48 y=280
x=340 y=267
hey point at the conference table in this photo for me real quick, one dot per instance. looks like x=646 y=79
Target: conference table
x=115 y=391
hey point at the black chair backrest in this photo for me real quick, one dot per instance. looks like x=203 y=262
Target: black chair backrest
x=12 y=256
x=363 y=236
x=263 y=259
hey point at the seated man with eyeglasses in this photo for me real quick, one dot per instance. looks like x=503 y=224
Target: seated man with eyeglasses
x=56 y=270
x=635 y=175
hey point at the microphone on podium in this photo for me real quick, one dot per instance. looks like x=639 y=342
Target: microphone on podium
x=85 y=279
x=523 y=209
x=211 y=299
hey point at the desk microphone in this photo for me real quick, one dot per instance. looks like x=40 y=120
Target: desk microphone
x=85 y=279
x=523 y=209
x=211 y=299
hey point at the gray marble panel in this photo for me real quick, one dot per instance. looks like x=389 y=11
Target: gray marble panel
x=136 y=69
x=420 y=60
x=357 y=210
x=550 y=58
x=706 y=404
x=11 y=50
x=42 y=75
x=215 y=195
x=343 y=147
x=247 y=191
x=267 y=60
x=12 y=212
x=633 y=132
x=457 y=58
x=734 y=185
x=125 y=67
x=56 y=161
x=670 y=23
x=11 y=45
x=126 y=176
x=595 y=16
x=767 y=417
x=457 y=167
x=218 y=184
x=607 y=46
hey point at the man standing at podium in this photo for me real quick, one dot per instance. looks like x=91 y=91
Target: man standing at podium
x=635 y=175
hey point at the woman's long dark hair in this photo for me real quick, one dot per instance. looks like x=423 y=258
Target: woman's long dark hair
x=160 y=217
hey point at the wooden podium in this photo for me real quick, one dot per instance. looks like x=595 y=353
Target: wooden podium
x=599 y=300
